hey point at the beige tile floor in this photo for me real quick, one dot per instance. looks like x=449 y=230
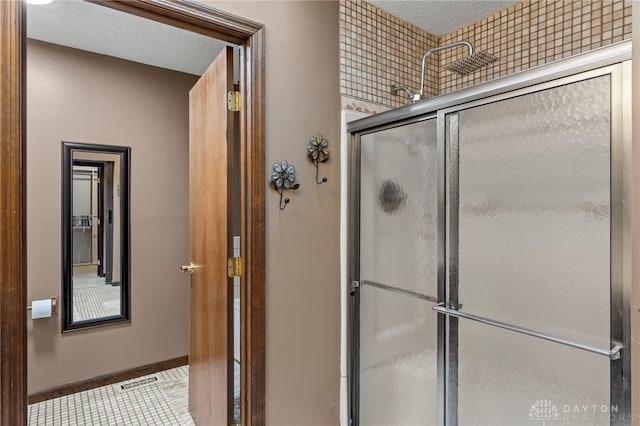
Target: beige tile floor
x=92 y=297
x=158 y=399
x=87 y=276
x=95 y=302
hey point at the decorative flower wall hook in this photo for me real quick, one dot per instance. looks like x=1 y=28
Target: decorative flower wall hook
x=283 y=177
x=318 y=152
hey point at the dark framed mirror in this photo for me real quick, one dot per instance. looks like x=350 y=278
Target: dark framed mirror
x=95 y=235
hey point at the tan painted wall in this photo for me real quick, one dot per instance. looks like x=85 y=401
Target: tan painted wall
x=83 y=97
x=303 y=284
x=303 y=250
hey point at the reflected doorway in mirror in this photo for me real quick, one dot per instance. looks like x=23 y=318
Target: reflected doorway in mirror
x=95 y=235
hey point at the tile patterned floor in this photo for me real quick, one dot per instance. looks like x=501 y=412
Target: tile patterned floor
x=157 y=399
x=140 y=401
x=95 y=302
x=92 y=297
x=87 y=276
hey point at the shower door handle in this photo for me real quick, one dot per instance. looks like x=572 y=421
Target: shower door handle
x=612 y=354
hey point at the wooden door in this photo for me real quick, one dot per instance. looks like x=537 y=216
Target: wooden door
x=211 y=136
x=101 y=219
x=107 y=229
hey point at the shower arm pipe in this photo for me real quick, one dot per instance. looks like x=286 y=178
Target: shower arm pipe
x=395 y=89
x=435 y=50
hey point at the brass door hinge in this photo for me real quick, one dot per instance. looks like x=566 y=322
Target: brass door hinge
x=234 y=267
x=233 y=100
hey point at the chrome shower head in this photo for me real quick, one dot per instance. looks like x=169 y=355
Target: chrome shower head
x=471 y=63
x=465 y=66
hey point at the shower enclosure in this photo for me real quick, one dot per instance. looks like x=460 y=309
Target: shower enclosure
x=490 y=252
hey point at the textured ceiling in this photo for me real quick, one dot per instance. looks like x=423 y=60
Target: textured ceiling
x=86 y=26
x=441 y=17
x=98 y=29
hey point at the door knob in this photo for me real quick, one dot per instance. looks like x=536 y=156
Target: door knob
x=189 y=268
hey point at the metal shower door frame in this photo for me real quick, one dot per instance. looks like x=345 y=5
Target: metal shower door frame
x=353 y=328
x=614 y=61
x=620 y=230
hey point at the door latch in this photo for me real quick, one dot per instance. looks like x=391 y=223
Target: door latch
x=234 y=267
x=189 y=268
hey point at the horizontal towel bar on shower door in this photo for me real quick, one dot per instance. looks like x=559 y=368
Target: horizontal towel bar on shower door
x=612 y=354
x=399 y=290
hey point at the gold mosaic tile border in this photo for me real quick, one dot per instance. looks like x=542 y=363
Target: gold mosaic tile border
x=378 y=49
x=358 y=105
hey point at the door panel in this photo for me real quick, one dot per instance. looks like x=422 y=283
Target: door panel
x=101 y=220
x=532 y=248
x=211 y=130
x=398 y=276
x=534 y=210
x=108 y=224
x=398 y=351
x=398 y=191
x=503 y=375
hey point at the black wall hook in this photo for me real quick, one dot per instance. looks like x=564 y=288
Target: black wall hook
x=286 y=201
x=283 y=177
x=318 y=152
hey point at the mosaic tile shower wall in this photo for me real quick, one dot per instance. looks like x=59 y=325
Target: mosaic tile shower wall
x=377 y=49
x=534 y=32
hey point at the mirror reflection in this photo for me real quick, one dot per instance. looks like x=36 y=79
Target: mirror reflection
x=95 y=282
x=96 y=291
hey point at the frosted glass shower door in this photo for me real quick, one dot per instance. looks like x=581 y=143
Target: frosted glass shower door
x=398 y=276
x=530 y=246
x=490 y=255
